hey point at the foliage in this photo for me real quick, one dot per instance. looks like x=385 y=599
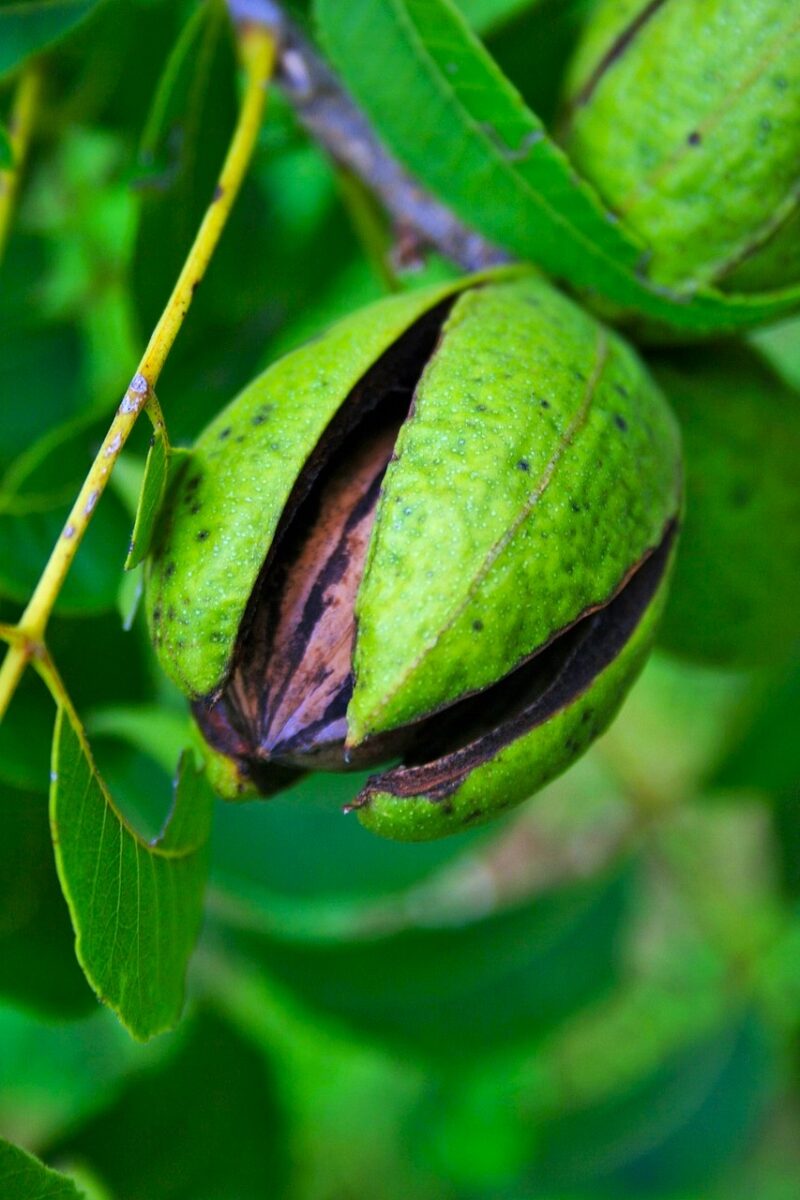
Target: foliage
x=21 y=1175
x=596 y=997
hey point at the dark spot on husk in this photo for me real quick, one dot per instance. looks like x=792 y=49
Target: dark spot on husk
x=694 y=138
x=224 y=433
x=477 y=626
x=202 y=535
x=524 y=465
x=620 y=422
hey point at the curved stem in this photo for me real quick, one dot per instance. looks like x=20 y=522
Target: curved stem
x=257 y=49
x=367 y=226
x=20 y=127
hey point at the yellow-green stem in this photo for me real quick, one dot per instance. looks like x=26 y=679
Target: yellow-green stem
x=258 y=55
x=20 y=126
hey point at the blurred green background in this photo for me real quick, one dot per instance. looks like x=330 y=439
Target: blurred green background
x=597 y=998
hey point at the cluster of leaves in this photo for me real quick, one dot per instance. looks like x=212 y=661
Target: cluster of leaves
x=598 y=998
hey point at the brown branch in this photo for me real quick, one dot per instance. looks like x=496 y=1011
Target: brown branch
x=338 y=125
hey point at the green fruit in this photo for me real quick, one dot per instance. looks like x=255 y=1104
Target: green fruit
x=438 y=533
x=686 y=118
x=734 y=595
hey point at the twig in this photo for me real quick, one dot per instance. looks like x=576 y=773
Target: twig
x=258 y=54
x=20 y=127
x=337 y=124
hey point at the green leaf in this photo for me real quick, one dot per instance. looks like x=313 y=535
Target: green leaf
x=533 y=49
x=241 y=298
x=762 y=753
x=463 y=130
x=37 y=958
x=151 y=728
x=89 y=655
x=25 y=544
x=28 y=26
x=113 y=672
x=129 y=596
x=669 y=1129
x=135 y=907
x=306 y=867
x=88 y=1183
x=781 y=346
x=486 y=15
x=764 y=750
x=675 y=1129
x=41 y=363
x=172 y=84
x=185 y=139
x=55 y=1074
x=35 y=498
x=6 y=152
x=23 y=1177
x=437 y=987
x=25 y=735
x=159 y=469
x=309 y=871
x=678 y=715
x=239 y=1153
